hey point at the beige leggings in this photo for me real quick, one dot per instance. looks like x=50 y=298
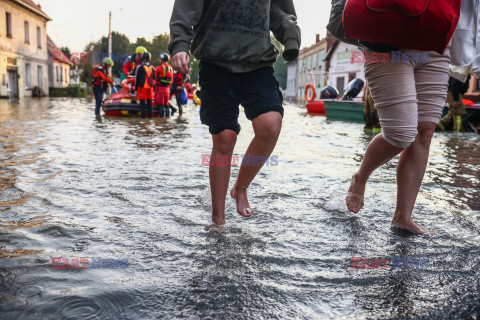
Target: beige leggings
x=408 y=92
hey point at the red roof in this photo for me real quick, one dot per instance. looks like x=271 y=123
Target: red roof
x=57 y=54
x=29 y=4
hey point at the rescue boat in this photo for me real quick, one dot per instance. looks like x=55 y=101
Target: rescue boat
x=124 y=103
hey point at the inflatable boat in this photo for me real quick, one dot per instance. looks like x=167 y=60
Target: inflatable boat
x=124 y=103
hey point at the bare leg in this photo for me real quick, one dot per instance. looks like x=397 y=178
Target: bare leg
x=378 y=152
x=410 y=171
x=223 y=145
x=267 y=128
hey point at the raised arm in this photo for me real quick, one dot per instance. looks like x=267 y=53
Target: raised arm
x=283 y=24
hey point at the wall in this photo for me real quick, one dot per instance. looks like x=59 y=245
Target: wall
x=341 y=66
x=311 y=69
x=292 y=71
x=15 y=53
x=59 y=74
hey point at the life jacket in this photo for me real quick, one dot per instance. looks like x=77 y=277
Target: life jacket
x=148 y=76
x=167 y=78
x=177 y=78
x=98 y=81
x=132 y=60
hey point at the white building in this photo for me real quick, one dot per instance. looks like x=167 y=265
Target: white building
x=342 y=68
x=311 y=67
x=23 y=48
x=292 y=72
x=59 y=66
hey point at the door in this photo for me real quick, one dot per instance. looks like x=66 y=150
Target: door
x=341 y=85
x=40 y=76
x=12 y=83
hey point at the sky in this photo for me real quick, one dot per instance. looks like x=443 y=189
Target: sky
x=76 y=23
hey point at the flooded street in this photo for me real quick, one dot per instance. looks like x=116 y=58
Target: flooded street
x=134 y=191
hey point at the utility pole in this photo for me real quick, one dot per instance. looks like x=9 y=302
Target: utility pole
x=110 y=34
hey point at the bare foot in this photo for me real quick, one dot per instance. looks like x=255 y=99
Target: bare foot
x=355 y=195
x=218 y=220
x=412 y=226
x=240 y=195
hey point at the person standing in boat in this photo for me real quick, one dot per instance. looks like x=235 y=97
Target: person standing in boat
x=145 y=83
x=232 y=41
x=131 y=64
x=164 y=76
x=101 y=80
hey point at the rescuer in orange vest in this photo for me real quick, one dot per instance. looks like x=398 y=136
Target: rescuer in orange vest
x=145 y=84
x=164 y=76
x=101 y=80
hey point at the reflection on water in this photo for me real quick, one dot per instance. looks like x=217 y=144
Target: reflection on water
x=77 y=186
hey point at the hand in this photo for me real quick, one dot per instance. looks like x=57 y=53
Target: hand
x=180 y=62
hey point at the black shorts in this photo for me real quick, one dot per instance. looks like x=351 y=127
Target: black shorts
x=222 y=92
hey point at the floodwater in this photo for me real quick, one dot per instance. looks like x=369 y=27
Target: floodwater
x=135 y=191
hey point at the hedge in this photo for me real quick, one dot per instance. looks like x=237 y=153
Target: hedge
x=71 y=91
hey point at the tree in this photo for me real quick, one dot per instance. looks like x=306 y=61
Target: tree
x=280 y=66
x=66 y=50
x=194 y=69
x=99 y=50
x=159 y=45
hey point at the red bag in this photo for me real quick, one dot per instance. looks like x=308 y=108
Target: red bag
x=425 y=25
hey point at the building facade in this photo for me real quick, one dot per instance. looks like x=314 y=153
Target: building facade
x=59 y=66
x=292 y=73
x=23 y=48
x=311 y=68
x=342 y=68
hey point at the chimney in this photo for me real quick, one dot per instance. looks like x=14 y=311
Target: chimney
x=317 y=40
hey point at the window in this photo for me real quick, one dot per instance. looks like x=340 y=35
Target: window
x=56 y=72
x=28 y=78
x=39 y=38
x=40 y=76
x=61 y=74
x=27 y=33
x=9 y=24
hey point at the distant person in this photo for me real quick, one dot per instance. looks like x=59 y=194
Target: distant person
x=370 y=114
x=131 y=64
x=101 y=81
x=177 y=88
x=144 y=84
x=456 y=119
x=164 y=76
x=236 y=56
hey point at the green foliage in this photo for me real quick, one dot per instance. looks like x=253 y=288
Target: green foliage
x=121 y=49
x=98 y=50
x=71 y=91
x=280 y=66
x=86 y=75
x=66 y=50
x=194 y=69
